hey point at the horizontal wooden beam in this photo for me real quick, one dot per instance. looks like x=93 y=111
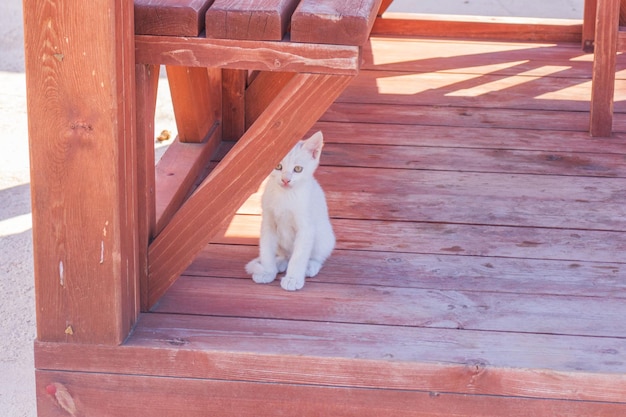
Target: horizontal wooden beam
x=478 y=27
x=249 y=55
x=357 y=355
x=83 y=394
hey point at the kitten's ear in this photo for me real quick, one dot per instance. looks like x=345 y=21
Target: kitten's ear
x=314 y=144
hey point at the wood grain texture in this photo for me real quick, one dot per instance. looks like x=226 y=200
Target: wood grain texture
x=443 y=238
x=146 y=84
x=197 y=101
x=170 y=17
x=589 y=25
x=261 y=91
x=463 y=116
x=443 y=309
x=249 y=55
x=81 y=103
x=437 y=272
x=265 y=20
x=466 y=27
x=234 y=83
x=416 y=56
x=119 y=395
x=526 y=90
x=289 y=116
x=176 y=174
x=384 y=5
x=349 y=355
x=603 y=80
x=334 y=21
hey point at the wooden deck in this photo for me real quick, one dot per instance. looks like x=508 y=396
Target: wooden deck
x=479 y=269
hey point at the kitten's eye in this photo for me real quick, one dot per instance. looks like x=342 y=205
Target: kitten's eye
x=279 y=167
x=297 y=168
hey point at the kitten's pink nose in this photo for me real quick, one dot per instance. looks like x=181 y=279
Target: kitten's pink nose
x=285 y=181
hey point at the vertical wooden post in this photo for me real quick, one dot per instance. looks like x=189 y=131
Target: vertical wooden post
x=197 y=101
x=589 y=25
x=146 y=87
x=603 y=79
x=80 y=72
x=233 y=103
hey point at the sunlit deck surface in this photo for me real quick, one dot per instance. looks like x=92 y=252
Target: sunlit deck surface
x=481 y=236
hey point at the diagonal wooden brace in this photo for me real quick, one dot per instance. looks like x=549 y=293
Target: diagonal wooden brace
x=289 y=116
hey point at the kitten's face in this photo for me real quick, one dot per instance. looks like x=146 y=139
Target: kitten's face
x=299 y=164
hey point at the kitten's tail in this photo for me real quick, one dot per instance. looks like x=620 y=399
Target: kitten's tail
x=255 y=267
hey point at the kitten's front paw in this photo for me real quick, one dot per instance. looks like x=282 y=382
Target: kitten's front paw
x=290 y=283
x=259 y=274
x=264 y=278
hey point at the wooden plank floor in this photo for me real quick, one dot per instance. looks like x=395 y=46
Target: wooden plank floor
x=480 y=242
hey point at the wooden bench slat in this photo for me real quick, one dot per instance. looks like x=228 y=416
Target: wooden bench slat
x=264 y=20
x=334 y=21
x=170 y=17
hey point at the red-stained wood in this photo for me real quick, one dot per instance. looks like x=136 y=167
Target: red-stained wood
x=356 y=355
x=462 y=239
x=478 y=271
x=528 y=89
x=603 y=80
x=436 y=272
x=176 y=174
x=81 y=104
x=170 y=17
x=334 y=21
x=462 y=116
x=249 y=55
x=589 y=25
x=622 y=13
x=82 y=394
x=443 y=309
x=290 y=115
x=481 y=161
x=384 y=5
x=146 y=82
x=234 y=84
x=416 y=56
x=433 y=192
x=468 y=27
x=261 y=91
x=463 y=137
x=197 y=101
x=265 y=20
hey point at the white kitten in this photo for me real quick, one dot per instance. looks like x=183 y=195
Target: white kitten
x=296 y=234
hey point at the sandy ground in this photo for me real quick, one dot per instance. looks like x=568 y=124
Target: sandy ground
x=17 y=307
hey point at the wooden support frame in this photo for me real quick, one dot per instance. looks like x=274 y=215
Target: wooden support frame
x=81 y=103
x=238 y=175
x=234 y=83
x=603 y=79
x=146 y=83
x=197 y=101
